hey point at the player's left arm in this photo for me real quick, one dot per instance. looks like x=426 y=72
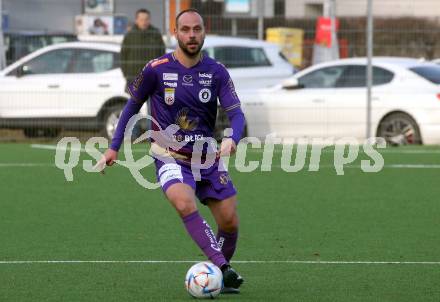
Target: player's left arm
x=231 y=104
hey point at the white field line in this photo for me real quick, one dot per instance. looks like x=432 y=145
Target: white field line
x=276 y=166
x=237 y=261
x=250 y=150
x=25 y=165
x=53 y=147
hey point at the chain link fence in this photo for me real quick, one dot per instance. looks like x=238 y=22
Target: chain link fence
x=24 y=98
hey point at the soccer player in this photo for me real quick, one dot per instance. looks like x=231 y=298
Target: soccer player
x=183 y=88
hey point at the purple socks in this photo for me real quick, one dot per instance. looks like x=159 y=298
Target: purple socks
x=227 y=243
x=202 y=234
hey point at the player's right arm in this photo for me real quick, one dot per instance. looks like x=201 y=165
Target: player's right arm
x=140 y=89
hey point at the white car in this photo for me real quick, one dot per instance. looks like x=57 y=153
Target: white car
x=436 y=61
x=251 y=63
x=330 y=100
x=74 y=85
x=79 y=85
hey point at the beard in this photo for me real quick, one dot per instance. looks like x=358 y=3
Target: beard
x=189 y=52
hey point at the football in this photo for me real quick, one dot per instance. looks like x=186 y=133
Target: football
x=204 y=280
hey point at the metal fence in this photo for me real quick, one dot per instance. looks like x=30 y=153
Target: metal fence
x=44 y=107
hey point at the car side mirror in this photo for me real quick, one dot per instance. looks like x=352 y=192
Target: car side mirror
x=22 y=70
x=291 y=83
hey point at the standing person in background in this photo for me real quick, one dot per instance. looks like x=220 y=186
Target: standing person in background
x=141 y=44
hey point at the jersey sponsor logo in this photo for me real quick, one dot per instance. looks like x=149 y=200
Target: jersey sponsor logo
x=191 y=138
x=184 y=122
x=205 y=75
x=158 y=62
x=187 y=80
x=188 y=138
x=169 y=96
x=205 y=95
x=178 y=137
x=170 y=84
x=205 y=82
x=170 y=76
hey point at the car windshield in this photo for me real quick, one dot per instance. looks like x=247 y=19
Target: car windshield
x=430 y=73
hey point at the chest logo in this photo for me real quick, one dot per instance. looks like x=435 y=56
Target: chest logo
x=169 y=96
x=187 y=79
x=205 y=95
x=170 y=77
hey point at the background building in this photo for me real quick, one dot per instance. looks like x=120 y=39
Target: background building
x=60 y=15
x=357 y=8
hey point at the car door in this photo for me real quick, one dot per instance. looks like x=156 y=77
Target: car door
x=32 y=89
x=295 y=112
x=307 y=105
x=347 y=103
x=93 y=78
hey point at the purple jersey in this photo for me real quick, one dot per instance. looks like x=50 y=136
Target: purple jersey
x=185 y=96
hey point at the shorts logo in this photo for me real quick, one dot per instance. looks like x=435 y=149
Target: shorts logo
x=170 y=84
x=170 y=77
x=205 y=95
x=169 y=172
x=169 y=96
x=224 y=179
x=187 y=80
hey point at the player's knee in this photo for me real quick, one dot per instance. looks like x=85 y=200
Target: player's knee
x=230 y=223
x=184 y=206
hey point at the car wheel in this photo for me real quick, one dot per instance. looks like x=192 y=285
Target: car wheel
x=110 y=120
x=399 y=129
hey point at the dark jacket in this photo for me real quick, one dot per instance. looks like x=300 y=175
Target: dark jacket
x=139 y=47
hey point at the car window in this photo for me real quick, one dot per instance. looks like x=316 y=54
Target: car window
x=353 y=76
x=235 y=57
x=60 y=39
x=356 y=76
x=32 y=44
x=430 y=73
x=381 y=76
x=91 y=61
x=326 y=77
x=56 y=61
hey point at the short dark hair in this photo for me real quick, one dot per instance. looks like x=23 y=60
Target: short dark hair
x=188 y=10
x=143 y=11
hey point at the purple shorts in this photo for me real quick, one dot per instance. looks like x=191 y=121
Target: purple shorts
x=213 y=184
